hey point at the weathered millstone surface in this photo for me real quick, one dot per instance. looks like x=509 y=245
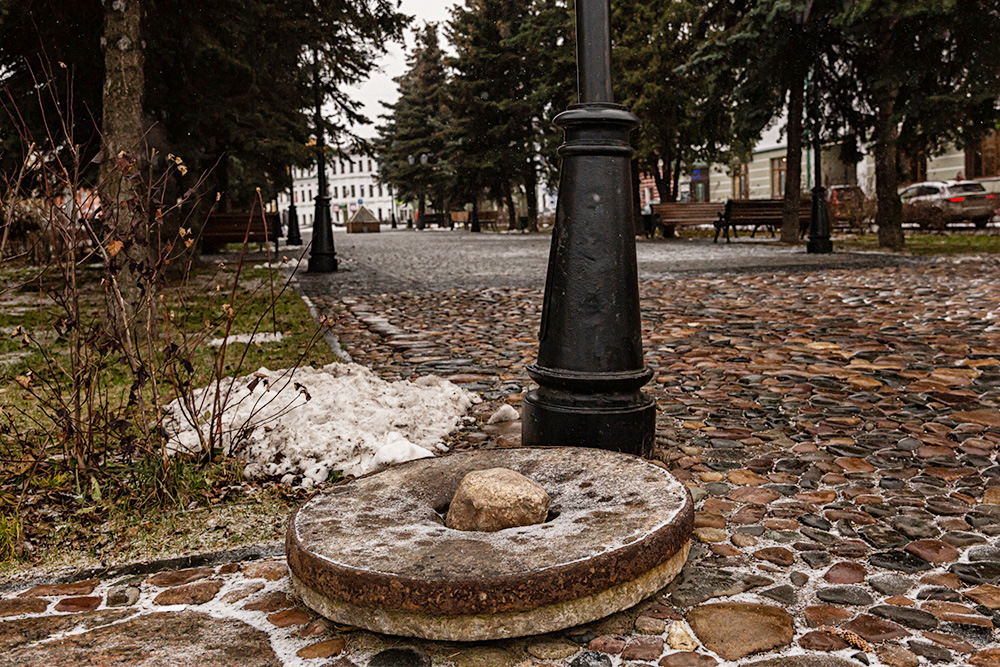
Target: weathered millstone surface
x=495 y=499
x=182 y=639
x=374 y=553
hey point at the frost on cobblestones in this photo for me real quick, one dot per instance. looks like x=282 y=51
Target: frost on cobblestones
x=301 y=426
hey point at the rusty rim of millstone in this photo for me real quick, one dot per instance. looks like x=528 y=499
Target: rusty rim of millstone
x=380 y=540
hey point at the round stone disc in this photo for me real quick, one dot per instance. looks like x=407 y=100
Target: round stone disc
x=375 y=552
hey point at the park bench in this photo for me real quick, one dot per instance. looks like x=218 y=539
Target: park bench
x=674 y=214
x=439 y=219
x=460 y=218
x=223 y=228
x=487 y=219
x=761 y=212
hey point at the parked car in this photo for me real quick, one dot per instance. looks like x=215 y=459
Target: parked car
x=847 y=207
x=936 y=204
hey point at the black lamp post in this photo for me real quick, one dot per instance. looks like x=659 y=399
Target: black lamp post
x=294 y=235
x=819 y=226
x=590 y=367
x=819 y=221
x=323 y=257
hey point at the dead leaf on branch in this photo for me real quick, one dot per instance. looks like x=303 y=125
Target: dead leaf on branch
x=24 y=380
x=115 y=247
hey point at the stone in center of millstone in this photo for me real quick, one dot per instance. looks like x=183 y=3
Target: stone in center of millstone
x=497 y=498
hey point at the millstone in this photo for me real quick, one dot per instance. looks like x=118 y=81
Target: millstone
x=375 y=552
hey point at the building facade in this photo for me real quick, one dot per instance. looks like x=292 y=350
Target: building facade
x=763 y=175
x=353 y=183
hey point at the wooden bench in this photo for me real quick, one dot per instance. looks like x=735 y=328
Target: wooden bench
x=758 y=212
x=223 y=228
x=674 y=214
x=439 y=219
x=487 y=218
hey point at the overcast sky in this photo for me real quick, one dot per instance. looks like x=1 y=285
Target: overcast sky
x=380 y=88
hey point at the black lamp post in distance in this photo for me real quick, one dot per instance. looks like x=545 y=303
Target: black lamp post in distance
x=323 y=257
x=819 y=220
x=590 y=369
x=294 y=235
x=819 y=224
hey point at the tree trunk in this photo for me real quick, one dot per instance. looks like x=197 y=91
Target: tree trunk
x=661 y=177
x=889 y=216
x=793 y=164
x=676 y=192
x=474 y=219
x=121 y=190
x=531 y=194
x=511 y=211
x=421 y=210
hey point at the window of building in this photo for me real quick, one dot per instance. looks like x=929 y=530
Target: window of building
x=335 y=192
x=310 y=196
x=741 y=181
x=296 y=196
x=779 y=171
x=370 y=165
x=700 y=190
x=371 y=191
x=351 y=165
x=379 y=189
x=982 y=158
x=353 y=192
x=912 y=166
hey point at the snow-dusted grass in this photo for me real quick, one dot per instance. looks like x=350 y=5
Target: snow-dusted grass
x=259 y=338
x=305 y=424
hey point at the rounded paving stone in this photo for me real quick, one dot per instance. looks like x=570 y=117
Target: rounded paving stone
x=400 y=657
x=180 y=639
x=375 y=553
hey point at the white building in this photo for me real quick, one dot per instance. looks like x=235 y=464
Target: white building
x=763 y=176
x=353 y=183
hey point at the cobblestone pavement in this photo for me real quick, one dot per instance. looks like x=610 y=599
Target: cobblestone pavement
x=837 y=428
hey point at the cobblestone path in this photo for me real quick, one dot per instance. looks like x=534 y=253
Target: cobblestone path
x=838 y=430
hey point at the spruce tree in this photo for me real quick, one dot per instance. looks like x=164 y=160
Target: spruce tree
x=922 y=75
x=412 y=143
x=681 y=122
x=492 y=84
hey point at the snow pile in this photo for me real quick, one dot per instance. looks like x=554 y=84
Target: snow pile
x=255 y=338
x=285 y=263
x=340 y=417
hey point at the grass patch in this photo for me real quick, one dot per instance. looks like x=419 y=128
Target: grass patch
x=10 y=537
x=929 y=244
x=124 y=500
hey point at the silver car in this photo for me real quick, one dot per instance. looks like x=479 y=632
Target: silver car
x=936 y=204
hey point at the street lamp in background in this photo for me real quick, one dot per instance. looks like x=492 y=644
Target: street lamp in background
x=590 y=369
x=323 y=258
x=423 y=161
x=819 y=221
x=819 y=226
x=294 y=235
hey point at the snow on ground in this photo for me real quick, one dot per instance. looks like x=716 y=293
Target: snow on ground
x=285 y=263
x=303 y=425
x=256 y=338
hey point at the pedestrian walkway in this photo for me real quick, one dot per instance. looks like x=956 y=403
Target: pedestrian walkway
x=838 y=427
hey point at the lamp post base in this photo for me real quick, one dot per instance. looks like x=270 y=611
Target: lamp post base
x=322 y=264
x=577 y=420
x=819 y=246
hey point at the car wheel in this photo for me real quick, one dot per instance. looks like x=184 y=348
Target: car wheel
x=981 y=222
